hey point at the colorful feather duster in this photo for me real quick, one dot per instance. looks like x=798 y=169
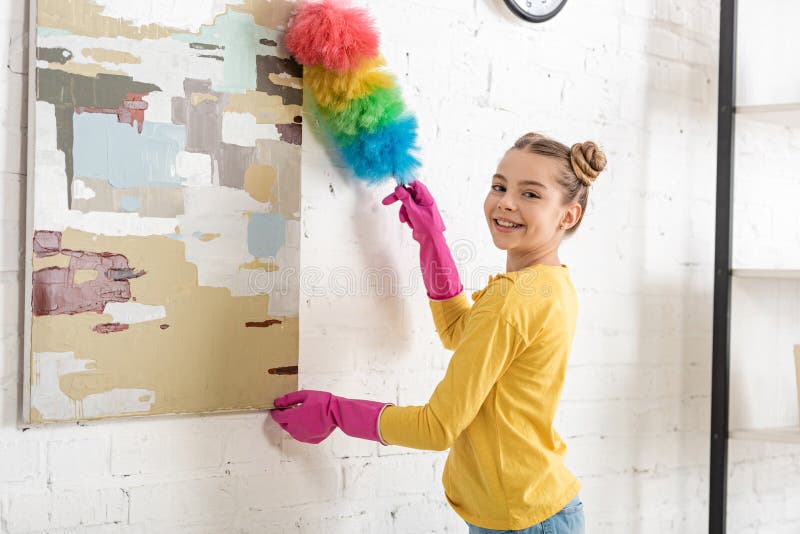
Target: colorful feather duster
x=358 y=103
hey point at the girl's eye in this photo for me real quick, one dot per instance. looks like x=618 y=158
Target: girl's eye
x=532 y=195
x=498 y=187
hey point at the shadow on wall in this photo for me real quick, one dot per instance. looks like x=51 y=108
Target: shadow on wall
x=674 y=328
x=379 y=280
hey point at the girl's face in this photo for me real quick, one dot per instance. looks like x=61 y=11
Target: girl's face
x=524 y=209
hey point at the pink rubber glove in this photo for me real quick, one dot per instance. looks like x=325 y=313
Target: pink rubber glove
x=419 y=210
x=320 y=413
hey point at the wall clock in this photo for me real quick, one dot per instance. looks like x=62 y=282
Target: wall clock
x=535 y=10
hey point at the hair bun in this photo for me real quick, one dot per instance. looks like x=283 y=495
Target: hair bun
x=588 y=161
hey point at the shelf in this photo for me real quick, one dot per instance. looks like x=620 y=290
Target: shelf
x=778 y=274
x=783 y=114
x=788 y=434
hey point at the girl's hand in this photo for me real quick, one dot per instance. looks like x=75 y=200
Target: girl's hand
x=319 y=413
x=439 y=272
x=418 y=210
x=311 y=421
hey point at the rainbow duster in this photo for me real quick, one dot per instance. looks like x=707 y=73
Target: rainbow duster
x=358 y=103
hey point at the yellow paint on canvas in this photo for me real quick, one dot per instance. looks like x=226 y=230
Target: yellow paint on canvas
x=198 y=98
x=153 y=201
x=207 y=359
x=268 y=266
x=259 y=181
x=106 y=55
x=36 y=416
x=287 y=81
x=45 y=262
x=84 y=17
x=272 y=14
x=83 y=275
x=267 y=109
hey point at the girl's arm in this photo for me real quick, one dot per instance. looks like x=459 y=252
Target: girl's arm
x=419 y=211
x=489 y=344
x=450 y=317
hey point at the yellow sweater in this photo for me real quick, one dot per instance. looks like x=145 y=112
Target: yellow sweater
x=495 y=406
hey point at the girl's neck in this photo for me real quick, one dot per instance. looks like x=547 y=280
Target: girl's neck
x=519 y=263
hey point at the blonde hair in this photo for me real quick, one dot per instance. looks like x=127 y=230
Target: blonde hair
x=580 y=166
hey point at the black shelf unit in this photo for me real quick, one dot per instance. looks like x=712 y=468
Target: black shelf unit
x=787 y=114
x=721 y=330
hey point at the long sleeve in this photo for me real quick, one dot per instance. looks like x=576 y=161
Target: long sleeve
x=496 y=404
x=488 y=345
x=450 y=316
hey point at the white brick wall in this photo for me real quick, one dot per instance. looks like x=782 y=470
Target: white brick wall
x=639 y=76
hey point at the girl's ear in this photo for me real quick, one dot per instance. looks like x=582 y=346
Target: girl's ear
x=571 y=216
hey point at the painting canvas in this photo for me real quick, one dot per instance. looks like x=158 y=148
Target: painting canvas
x=163 y=208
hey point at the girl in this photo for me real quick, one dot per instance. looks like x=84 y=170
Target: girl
x=495 y=406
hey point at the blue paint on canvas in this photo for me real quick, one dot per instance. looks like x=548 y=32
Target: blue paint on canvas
x=129 y=203
x=238 y=36
x=106 y=149
x=266 y=234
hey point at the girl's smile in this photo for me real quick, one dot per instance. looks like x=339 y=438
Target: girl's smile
x=525 y=209
x=505 y=225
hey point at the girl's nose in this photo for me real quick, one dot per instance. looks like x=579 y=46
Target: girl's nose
x=505 y=203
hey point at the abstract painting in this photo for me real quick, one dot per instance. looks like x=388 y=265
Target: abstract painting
x=163 y=208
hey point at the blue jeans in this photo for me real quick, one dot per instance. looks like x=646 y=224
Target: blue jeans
x=568 y=521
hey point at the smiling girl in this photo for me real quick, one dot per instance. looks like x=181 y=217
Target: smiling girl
x=494 y=409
